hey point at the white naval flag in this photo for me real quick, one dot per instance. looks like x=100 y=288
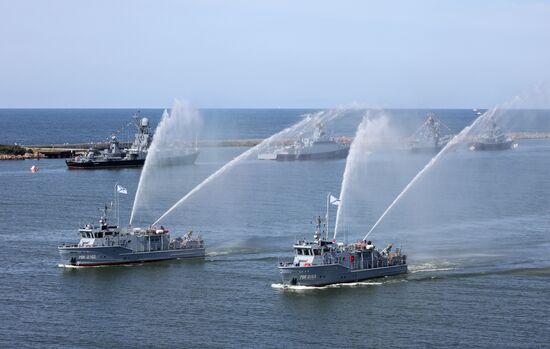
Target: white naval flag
x=334 y=200
x=120 y=189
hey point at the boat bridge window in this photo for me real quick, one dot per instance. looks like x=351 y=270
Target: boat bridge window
x=317 y=252
x=299 y=251
x=307 y=251
x=98 y=235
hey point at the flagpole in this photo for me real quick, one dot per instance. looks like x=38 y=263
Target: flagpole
x=328 y=203
x=114 y=192
x=116 y=204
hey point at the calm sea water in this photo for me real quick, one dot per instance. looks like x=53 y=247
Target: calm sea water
x=477 y=232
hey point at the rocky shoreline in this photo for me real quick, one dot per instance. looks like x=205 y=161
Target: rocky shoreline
x=27 y=156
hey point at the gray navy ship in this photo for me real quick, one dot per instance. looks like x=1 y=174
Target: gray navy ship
x=493 y=139
x=323 y=262
x=320 y=146
x=135 y=155
x=432 y=136
x=107 y=244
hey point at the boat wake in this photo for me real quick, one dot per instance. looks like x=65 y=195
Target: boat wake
x=431 y=267
x=70 y=266
x=294 y=288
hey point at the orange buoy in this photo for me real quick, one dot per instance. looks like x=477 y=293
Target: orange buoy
x=34 y=168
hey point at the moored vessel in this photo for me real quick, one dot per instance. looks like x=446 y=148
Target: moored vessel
x=432 y=136
x=135 y=155
x=107 y=244
x=323 y=262
x=493 y=139
x=182 y=153
x=320 y=146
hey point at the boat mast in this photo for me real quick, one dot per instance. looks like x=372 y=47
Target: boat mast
x=326 y=216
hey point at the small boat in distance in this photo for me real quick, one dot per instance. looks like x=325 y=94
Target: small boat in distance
x=493 y=139
x=323 y=262
x=321 y=146
x=107 y=244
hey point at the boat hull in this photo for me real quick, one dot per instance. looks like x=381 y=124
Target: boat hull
x=91 y=165
x=341 y=153
x=323 y=275
x=176 y=160
x=117 y=255
x=492 y=146
x=186 y=159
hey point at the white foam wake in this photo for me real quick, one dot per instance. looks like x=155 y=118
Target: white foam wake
x=312 y=288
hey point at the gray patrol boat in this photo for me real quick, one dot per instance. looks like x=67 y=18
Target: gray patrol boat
x=323 y=262
x=109 y=245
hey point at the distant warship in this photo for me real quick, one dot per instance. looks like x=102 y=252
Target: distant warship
x=493 y=139
x=324 y=262
x=135 y=156
x=178 y=153
x=321 y=146
x=109 y=245
x=430 y=136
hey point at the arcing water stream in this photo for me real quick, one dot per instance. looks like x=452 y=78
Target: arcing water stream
x=369 y=132
x=516 y=113
x=176 y=133
x=448 y=146
x=306 y=125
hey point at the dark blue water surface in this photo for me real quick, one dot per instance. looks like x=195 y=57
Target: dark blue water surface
x=58 y=126
x=476 y=230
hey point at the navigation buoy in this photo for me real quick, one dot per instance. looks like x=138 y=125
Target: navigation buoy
x=34 y=168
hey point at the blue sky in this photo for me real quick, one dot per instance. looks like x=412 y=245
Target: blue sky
x=271 y=53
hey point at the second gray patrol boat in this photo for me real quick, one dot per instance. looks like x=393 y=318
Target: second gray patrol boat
x=108 y=245
x=323 y=262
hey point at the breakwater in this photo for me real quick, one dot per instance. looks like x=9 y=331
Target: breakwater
x=66 y=150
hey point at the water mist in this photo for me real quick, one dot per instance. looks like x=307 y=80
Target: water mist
x=523 y=113
x=303 y=128
x=176 y=133
x=370 y=134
